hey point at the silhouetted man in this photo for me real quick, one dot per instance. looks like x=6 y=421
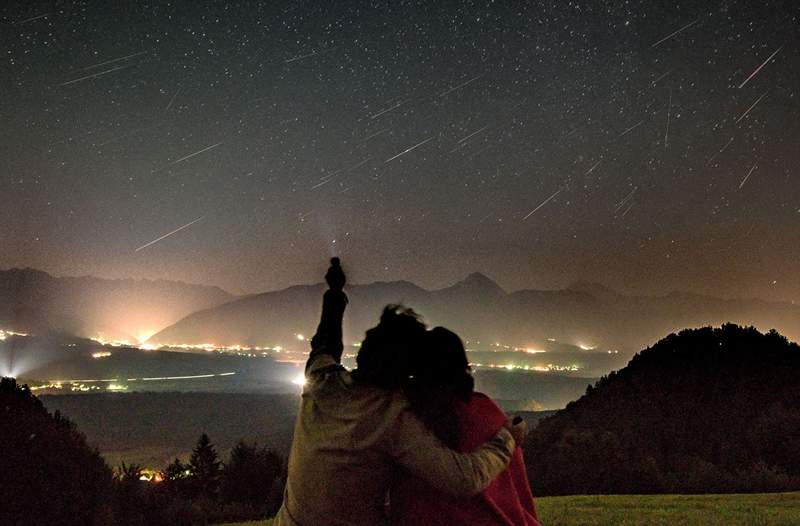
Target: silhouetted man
x=352 y=432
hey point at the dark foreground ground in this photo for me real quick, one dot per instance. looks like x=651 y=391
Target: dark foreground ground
x=761 y=509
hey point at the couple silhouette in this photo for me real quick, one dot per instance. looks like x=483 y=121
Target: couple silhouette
x=403 y=438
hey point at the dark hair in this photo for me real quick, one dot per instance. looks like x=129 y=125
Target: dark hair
x=384 y=359
x=440 y=376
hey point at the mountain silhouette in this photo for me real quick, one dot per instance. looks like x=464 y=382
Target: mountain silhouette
x=481 y=311
x=35 y=301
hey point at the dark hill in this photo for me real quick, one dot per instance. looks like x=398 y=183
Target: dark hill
x=706 y=410
x=50 y=475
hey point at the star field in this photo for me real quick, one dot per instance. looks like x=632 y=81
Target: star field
x=650 y=146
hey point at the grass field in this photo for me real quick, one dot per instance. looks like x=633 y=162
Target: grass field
x=773 y=509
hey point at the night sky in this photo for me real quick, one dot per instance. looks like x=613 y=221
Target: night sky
x=649 y=146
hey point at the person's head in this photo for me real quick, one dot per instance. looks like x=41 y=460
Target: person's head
x=385 y=356
x=441 y=364
x=440 y=376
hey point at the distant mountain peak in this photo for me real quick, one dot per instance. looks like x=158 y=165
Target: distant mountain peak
x=479 y=282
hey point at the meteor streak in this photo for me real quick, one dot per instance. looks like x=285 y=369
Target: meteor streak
x=307 y=55
x=126 y=57
x=631 y=128
x=195 y=153
x=87 y=77
x=595 y=165
x=720 y=151
x=750 y=108
x=407 y=150
x=754 y=73
x=473 y=134
x=661 y=77
x=625 y=200
x=365 y=139
x=542 y=204
x=463 y=84
x=746 y=177
x=31 y=19
x=390 y=108
x=666 y=130
x=173 y=99
x=187 y=225
x=687 y=26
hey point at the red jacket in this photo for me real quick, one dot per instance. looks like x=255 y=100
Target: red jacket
x=507 y=501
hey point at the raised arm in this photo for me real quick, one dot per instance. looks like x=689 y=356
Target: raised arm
x=414 y=447
x=328 y=339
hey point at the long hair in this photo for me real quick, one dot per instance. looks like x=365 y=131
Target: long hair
x=440 y=377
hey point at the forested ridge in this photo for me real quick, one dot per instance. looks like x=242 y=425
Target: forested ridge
x=705 y=410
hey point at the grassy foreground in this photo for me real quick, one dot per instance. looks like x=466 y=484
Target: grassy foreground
x=763 y=509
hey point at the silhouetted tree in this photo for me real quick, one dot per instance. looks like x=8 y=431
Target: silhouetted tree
x=250 y=476
x=176 y=470
x=49 y=475
x=205 y=469
x=129 y=472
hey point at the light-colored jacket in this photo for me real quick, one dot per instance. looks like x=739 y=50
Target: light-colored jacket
x=350 y=437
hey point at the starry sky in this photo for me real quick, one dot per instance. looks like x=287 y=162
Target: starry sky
x=649 y=146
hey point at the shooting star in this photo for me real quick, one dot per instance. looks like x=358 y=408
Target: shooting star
x=632 y=128
x=387 y=110
x=31 y=19
x=684 y=28
x=661 y=77
x=331 y=176
x=542 y=204
x=187 y=225
x=325 y=181
x=126 y=57
x=625 y=200
x=754 y=73
x=627 y=210
x=595 y=165
x=101 y=73
x=368 y=137
x=307 y=55
x=666 y=131
x=408 y=150
x=472 y=134
x=462 y=142
x=719 y=152
x=463 y=84
x=195 y=153
x=750 y=108
x=173 y=99
x=746 y=177
x=362 y=163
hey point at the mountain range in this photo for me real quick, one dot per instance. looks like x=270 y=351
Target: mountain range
x=585 y=314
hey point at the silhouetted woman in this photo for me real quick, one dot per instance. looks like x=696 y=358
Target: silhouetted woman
x=441 y=394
